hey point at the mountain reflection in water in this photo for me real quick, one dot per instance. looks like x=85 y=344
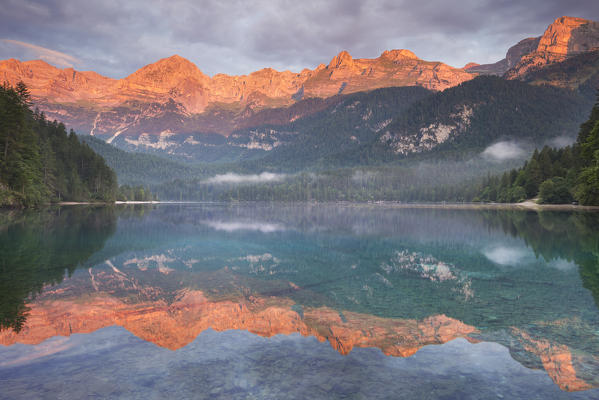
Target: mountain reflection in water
x=355 y=276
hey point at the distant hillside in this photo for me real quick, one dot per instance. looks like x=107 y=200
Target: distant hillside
x=398 y=144
x=389 y=125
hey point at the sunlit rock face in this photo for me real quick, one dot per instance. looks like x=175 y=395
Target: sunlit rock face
x=50 y=84
x=174 y=91
x=565 y=37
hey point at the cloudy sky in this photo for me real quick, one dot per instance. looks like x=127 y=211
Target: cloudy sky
x=115 y=37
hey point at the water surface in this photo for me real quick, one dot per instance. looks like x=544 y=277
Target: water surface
x=296 y=301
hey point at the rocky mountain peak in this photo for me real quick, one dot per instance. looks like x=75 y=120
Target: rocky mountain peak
x=399 y=54
x=341 y=59
x=569 y=35
x=522 y=48
x=470 y=65
x=167 y=71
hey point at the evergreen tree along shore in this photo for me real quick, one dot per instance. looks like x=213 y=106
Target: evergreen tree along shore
x=40 y=162
x=555 y=176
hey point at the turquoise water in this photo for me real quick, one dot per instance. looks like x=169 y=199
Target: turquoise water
x=296 y=301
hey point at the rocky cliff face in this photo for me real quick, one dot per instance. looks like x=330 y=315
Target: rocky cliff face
x=48 y=83
x=109 y=108
x=565 y=37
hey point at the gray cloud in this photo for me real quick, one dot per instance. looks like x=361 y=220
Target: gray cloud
x=562 y=141
x=115 y=38
x=235 y=179
x=502 y=151
x=51 y=56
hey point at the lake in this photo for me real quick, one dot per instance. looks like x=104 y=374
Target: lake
x=255 y=301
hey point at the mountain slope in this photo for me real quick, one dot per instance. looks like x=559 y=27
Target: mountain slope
x=478 y=113
x=138 y=168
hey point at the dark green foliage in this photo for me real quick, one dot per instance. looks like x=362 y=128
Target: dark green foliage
x=587 y=191
x=139 y=168
x=135 y=193
x=40 y=162
x=555 y=191
x=557 y=176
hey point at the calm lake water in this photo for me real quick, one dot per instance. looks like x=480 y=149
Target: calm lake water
x=298 y=301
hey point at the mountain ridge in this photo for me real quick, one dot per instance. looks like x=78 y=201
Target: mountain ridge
x=168 y=76
x=173 y=96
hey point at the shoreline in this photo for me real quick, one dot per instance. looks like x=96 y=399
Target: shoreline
x=526 y=205
x=100 y=203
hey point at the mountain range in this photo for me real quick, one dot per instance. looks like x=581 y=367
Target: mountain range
x=107 y=107
x=348 y=113
x=173 y=97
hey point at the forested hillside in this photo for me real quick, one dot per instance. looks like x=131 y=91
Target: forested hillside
x=554 y=175
x=138 y=168
x=477 y=113
x=40 y=162
x=346 y=126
